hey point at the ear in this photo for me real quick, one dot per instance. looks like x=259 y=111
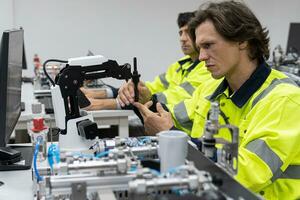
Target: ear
x=243 y=45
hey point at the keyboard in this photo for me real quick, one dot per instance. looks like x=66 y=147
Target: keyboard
x=26 y=159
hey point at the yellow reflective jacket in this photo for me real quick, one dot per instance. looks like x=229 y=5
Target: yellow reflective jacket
x=266 y=109
x=183 y=113
x=180 y=81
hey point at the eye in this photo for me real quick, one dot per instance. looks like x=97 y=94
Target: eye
x=180 y=33
x=206 y=45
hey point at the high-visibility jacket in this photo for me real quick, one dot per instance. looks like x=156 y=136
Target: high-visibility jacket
x=180 y=81
x=183 y=112
x=266 y=109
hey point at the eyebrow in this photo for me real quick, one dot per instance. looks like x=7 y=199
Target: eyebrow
x=209 y=41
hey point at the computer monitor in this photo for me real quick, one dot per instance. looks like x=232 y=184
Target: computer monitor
x=11 y=62
x=293 y=44
x=24 y=65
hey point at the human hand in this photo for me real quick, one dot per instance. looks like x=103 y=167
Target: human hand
x=154 y=122
x=126 y=93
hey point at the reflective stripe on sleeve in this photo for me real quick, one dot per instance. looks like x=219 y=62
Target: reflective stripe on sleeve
x=182 y=117
x=262 y=150
x=188 y=87
x=291 y=172
x=274 y=83
x=163 y=79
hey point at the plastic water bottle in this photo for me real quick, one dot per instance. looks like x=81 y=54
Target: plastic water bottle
x=38 y=132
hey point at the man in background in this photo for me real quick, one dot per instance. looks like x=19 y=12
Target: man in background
x=179 y=81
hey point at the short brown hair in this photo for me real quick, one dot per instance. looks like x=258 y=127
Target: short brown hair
x=234 y=21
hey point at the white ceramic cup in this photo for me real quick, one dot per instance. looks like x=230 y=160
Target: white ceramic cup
x=172 y=149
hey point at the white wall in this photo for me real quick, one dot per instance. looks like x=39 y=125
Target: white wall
x=117 y=29
x=276 y=15
x=122 y=29
x=6 y=15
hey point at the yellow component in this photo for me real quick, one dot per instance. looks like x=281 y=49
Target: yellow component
x=180 y=81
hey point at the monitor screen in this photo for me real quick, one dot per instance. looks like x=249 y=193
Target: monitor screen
x=11 y=62
x=293 y=45
x=24 y=66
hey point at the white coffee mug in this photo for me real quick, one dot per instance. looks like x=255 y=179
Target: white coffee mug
x=172 y=149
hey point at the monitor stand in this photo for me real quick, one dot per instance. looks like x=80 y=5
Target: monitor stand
x=15 y=158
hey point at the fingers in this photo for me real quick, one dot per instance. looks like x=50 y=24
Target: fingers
x=126 y=94
x=148 y=104
x=122 y=104
x=144 y=110
x=144 y=92
x=131 y=91
x=161 y=110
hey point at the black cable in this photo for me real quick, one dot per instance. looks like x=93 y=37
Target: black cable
x=45 y=71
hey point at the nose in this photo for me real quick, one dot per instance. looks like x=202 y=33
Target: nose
x=183 y=37
x=203 y=55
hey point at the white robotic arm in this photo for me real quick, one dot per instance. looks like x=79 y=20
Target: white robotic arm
x=87 y=60
x=57 y=98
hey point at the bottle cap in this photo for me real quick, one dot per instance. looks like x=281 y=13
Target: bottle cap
x=38 y=125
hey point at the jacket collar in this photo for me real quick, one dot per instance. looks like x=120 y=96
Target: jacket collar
x=195 y=63
x=243 y=94
x=185 y=60
x=188 y=68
